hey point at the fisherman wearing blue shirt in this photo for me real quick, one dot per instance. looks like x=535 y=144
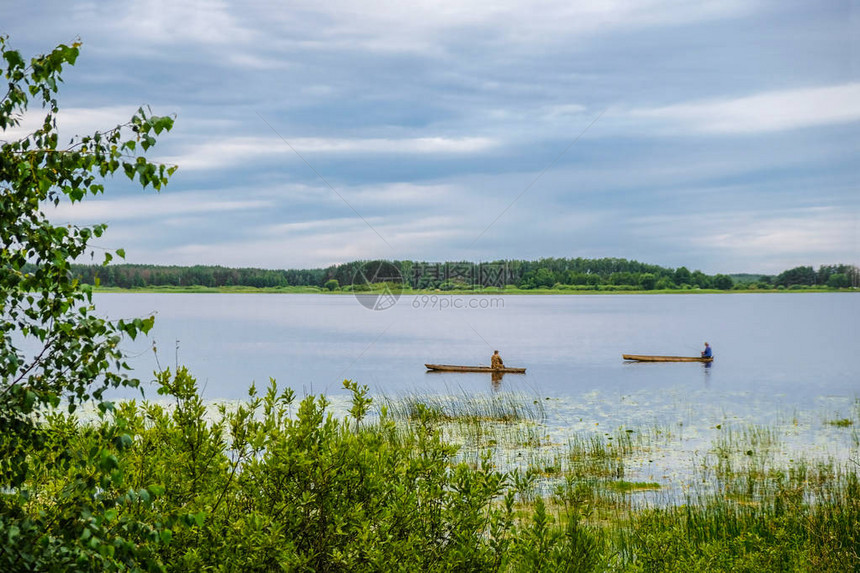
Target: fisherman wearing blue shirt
x=707 y=353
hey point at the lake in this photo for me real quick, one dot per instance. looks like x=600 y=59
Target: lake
x=785 y=360
x=789 y=347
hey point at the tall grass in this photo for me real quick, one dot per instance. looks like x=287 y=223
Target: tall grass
x=802 y=519
x=505 y=407
x=747 y=506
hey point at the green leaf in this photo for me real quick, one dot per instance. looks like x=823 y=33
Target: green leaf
x=69 y=472
x=122 y=442
x=108 y=461
x=14 y=58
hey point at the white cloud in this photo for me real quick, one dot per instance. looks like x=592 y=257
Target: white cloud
x=424 y=25
x=759 y=113
x=211 y=22
x=234 y=151
x=403 y=193
x=242 y=32
x=248 y=61
x=284 y=231
x=564 y=111
x=137 y=208
x=313 y=243
x=761 y=241
x=810 y=231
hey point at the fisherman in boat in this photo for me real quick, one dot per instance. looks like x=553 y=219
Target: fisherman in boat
x=707 y=352
x=496 y=361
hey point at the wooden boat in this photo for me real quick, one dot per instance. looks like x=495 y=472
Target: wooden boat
x=645 y=358
x=450 y=368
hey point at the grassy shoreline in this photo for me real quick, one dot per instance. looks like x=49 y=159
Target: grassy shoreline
x=428 y=292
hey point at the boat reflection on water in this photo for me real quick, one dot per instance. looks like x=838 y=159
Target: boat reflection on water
x=496 y=374
x=496 y=379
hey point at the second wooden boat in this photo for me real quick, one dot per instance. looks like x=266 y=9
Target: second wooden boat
x=451 y=368
x=646 y=358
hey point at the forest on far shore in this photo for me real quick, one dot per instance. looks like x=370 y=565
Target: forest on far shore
x=572 y=274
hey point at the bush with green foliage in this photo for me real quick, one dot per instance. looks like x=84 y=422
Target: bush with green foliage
x=647 y=281
x=53 y=348
x=723 y=282
x=839 y=280
x=271 y=485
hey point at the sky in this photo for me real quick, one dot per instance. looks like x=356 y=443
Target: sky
x=720 y=135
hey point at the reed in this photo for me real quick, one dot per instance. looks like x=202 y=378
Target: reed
x=748 y=504
x=505 y=407
x=790 y=524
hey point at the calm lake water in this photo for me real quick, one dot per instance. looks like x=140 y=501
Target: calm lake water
x=783 y=360
x=788 y=348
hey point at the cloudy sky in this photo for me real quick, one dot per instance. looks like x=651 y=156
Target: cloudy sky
x=722 y=135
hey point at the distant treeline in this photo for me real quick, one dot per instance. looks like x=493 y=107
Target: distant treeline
x=575 y=274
